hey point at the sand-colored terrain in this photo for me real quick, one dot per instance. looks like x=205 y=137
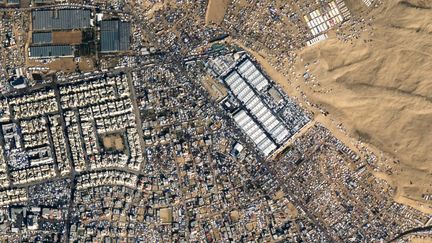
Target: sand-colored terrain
x=67 y=37
x=378 y=86
x=113 y=142
x=216 y=90
x=425 y=239
x=216 y=10
x=65 y=64
x=382 y=91
x=166 y=215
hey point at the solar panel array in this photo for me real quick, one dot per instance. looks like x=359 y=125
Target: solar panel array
x=60 y=19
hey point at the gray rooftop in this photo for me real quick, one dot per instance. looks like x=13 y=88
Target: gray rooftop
x=115 y=36
x=51 y=51
x=43 y=1
x=41 y=37
x=61 y=19
x=12 y=2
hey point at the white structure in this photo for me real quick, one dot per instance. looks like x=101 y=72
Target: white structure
x=253 y=75
x=368 y=2
x=319 y=21
x=317 y=39
x=256 y=119
x=255 y=133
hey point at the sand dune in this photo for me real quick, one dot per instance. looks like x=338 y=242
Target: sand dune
x=382 y=90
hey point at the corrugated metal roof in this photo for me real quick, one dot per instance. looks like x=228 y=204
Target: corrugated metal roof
x=51 y=51
x=42 y=38
x=124 y=36
x=110 y=25
x=13 y=2
x=43 y=1
x=115 y=36
x=61 y=19
x=109 y=41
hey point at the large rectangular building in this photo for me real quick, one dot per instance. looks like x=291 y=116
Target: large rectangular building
x=43 y=1
x=60 y=19
x=264 y=114
x=255 y=133
x=114 y=36
x=12 y=2
x=51 y=51
x=41 y=37
x=243 y=88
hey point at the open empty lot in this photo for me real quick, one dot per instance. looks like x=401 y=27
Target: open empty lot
x=216 y=10
x=67 y=37
x=113 y=142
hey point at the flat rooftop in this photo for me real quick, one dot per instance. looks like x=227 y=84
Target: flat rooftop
x=60 y=19
x=51 y=51
x=41 y=37
x=115 y=36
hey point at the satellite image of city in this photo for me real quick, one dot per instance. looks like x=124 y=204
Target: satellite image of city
x=216 y=121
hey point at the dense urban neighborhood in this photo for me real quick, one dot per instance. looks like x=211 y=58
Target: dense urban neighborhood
x=132 y=121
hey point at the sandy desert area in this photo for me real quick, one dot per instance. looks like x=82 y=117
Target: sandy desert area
x=380 y=87
x=216 y=11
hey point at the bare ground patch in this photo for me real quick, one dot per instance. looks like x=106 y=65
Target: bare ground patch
x=67 y=37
